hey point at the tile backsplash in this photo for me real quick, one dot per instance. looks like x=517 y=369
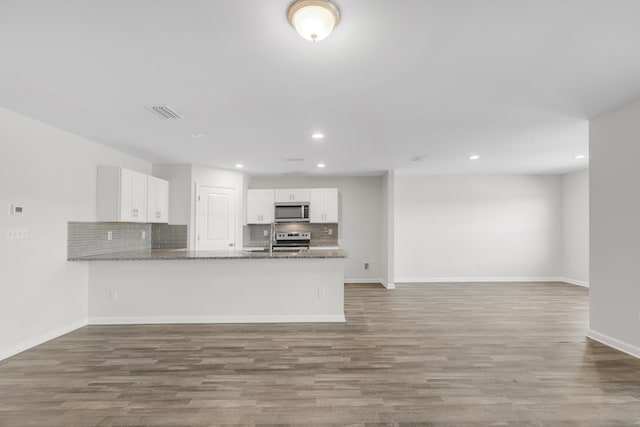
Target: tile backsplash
x=91 y=238
x=321 y=234
x=168 y=236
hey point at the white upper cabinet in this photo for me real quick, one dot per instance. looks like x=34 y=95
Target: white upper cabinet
x=122 y=195
x=323 y=206
x=260 y=208
x=292 y=195
x=129 y=196
x=157 y=200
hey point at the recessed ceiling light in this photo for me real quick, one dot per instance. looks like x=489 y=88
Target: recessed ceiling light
x=321 y=165
x=474 y=157
x=317 y=135
x=197 y=135
x=580 y=156
x=239 y=165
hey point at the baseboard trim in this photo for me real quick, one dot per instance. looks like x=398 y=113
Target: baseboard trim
x=388 y=285
x=362 y=280
x=574 y=282
x=135 y=320
x=475 y=279
x=382 y=282
x=622 y=346
x=41 y=339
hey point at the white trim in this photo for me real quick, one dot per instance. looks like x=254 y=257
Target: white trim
x=475 y=279
x=137 y=320
x=622 y=346
x=388 y=285
x=362 y=280
x=574 y=282
x=40 y=339
x=382 y=282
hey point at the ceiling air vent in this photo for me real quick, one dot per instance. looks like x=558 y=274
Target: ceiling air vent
x=165 y=112
x=294 y=159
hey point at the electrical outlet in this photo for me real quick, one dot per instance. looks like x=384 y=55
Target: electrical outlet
x=366 y=265
x=113 y=295
x=330 y=232
x=109 y=235
x=265 y=233
x=144 y=234
x=322 y=292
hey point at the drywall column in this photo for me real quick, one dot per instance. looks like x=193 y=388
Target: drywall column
x=388 y=229
x=615 y=229
x=575 y=211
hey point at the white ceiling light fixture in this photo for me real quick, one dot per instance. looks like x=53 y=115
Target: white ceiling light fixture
x=197 y=135
x=474 y=157
x=239 y=165
x=321 y=165
x=580 y=156
x=317 y=135
x=313 y=19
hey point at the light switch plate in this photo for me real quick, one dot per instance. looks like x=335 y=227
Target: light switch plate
x=17 y=233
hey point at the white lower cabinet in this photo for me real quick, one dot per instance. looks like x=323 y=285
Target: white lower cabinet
x=323 y=206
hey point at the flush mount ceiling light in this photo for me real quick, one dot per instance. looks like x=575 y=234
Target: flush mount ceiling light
x=474 y=157
x=580 y=156
x=317 y=135
x=239 y=165
x=313 y=19
x=321 y=165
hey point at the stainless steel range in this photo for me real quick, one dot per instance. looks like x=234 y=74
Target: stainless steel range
x=293 y=240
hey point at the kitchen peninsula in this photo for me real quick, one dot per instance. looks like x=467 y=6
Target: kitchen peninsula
x=180 y=286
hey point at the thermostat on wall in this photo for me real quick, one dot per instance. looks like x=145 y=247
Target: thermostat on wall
x=16 y=210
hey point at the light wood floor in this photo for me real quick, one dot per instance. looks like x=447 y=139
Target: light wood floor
x=442 y=355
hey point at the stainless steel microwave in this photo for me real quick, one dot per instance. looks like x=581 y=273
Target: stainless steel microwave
x=292 y=212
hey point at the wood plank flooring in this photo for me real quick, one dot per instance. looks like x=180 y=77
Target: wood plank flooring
x=441 y=355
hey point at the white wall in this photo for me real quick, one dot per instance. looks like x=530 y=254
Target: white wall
x=360 y=230
x=217 y=291
x=52 y=173
x=575 y=195
x=387 y=229
x=179 y=177
x=450 y=228
x=614 y=201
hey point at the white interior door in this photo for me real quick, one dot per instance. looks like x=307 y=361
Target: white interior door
x=216 y=218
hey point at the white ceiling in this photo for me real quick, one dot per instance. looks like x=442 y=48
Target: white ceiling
x=513 y=81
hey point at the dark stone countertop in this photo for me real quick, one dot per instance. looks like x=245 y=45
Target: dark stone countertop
x=183 y=254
